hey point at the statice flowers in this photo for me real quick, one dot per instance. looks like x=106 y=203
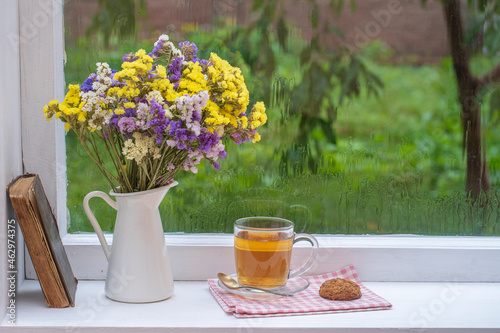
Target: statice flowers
x=163 y=112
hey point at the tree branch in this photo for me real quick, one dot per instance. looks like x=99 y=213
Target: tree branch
x=460 y=57
x=493 y=76
x=459 y=52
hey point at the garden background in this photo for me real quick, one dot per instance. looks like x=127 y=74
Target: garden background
x=364 y=133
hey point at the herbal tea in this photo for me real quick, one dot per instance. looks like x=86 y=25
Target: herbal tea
x=263 y=258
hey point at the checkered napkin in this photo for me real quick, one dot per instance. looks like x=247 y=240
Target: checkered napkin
x=302 y=303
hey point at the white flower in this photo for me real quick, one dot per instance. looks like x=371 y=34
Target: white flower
x=138 y=148
x=169 y=46
x=163 y=38
x=156 y=95
x=103 y=69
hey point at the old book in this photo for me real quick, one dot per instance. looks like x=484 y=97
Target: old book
x=43 y=241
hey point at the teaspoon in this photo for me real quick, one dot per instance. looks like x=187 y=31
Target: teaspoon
x=233 y=284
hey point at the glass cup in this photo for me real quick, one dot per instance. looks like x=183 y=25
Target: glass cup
x=263 y=250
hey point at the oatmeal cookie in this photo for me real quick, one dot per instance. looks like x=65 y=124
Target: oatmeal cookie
x=340 y=290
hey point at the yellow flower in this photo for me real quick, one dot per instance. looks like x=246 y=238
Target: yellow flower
x=67 y=127
x=82 y=116
x=215 y=117
x=244 y=122
x=52 y=109
x=161 y=85
x=161 y=71
x=128 y=91
x=229 y=90
x=258 y=116
x=192 y=82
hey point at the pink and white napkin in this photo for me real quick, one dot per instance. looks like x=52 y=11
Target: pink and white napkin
x=303 y=303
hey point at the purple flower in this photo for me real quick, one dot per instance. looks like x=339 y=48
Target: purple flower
x=174 y=126
x=129 y=57
x=116 y=83
x=204 y=62
x=126 y=124
x=196 y=116
x=189 y=50
x=207 y=141
x=156 y=49
x=87 y=84
x=159 y=121
x=175 y=71
x=129 y=112
x=114 y=120
x=182 y=134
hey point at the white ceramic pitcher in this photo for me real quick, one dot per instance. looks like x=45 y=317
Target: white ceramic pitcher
x=138 y=264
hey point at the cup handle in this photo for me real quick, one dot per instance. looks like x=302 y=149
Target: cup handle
x=93 y=220
x=312 y=257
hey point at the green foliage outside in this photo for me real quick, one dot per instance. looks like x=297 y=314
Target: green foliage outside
x=396 y=167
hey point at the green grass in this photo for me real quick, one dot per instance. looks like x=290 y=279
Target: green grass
x=397 y=167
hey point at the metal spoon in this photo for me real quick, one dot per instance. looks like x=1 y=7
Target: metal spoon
x=233 y=284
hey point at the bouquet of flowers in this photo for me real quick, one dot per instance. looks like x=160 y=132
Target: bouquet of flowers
x=163 y=112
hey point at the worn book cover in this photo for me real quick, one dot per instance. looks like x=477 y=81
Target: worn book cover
x=43 y=241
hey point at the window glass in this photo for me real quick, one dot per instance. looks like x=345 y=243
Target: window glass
x=366 y=133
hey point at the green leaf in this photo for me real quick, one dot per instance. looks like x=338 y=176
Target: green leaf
x=473 y=31
x=315 y=16
x=305 y=55
x=331 y=112
x=495 y=106
x=482 y=4
x=327 y=127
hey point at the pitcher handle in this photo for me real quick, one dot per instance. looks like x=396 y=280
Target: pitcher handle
x=93 y=220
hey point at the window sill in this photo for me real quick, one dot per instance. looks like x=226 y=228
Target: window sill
x=429 y=307
x=392 y=258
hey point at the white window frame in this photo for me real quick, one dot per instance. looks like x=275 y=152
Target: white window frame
x=198 y=257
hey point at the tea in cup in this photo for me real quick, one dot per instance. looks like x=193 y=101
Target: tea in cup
x=263 y=251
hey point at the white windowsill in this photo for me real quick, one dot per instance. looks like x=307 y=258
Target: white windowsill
x=417 y=306
x=376 y=258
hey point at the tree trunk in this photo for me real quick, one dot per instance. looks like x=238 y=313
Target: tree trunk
x=477 y=172
x=468 y=88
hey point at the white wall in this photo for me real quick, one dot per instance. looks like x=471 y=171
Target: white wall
x=31 y=41
x=10 y=131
